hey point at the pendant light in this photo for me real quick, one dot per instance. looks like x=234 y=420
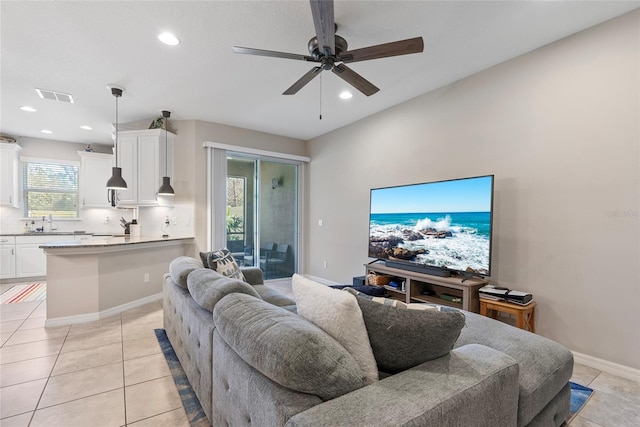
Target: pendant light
x=116 y=182
x=166 y=189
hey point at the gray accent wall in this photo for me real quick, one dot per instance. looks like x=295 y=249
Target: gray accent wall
x=559 y=128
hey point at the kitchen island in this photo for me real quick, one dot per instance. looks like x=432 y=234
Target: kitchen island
x=91 y=280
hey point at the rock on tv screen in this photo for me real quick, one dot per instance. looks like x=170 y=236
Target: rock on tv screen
x=444 y=224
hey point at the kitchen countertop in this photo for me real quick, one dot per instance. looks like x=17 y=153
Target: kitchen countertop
x=109 y=241
x=51 y=233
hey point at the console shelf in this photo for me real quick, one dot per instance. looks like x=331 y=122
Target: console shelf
x=417 y=283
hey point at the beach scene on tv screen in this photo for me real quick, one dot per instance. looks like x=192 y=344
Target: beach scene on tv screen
x=438 y=224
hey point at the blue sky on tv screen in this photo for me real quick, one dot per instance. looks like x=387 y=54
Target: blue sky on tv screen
x=461 y=195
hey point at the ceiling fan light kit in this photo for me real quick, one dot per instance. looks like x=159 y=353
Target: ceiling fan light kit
x=330 y=51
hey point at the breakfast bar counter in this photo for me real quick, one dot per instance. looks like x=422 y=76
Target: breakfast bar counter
x=97 y=278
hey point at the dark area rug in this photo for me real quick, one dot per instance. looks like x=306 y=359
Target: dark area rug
x=192 y=407
x=579 y=396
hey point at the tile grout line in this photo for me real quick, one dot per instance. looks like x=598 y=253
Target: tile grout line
x=33 y=414
x=124 y=384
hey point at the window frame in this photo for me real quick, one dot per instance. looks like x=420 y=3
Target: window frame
x=25 y=192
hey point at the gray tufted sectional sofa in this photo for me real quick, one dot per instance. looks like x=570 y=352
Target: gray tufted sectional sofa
x=252 y=360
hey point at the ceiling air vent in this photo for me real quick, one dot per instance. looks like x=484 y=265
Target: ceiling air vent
x=55 y=96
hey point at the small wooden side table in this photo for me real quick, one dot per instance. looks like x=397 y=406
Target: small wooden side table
x=525 y=314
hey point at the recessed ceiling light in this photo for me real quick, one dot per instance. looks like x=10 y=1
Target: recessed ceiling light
x=47 y=131
x=27 y=108
x=345 y=95
x=85 y=127
x=168 y=38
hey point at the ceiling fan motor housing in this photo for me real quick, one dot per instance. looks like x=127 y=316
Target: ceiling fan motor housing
x=317 y=54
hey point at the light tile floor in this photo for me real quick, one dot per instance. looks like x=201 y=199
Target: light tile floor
x=112 y=373
x=105 y=373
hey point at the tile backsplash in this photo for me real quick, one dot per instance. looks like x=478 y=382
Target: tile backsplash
x=107 y=221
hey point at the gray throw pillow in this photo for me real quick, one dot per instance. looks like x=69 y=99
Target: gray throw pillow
x=402 y=338
x=223 y=262
x=208 y=287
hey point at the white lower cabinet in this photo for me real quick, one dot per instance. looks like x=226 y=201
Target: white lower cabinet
x=30 y=260
x=7 y=257
x=21 y=256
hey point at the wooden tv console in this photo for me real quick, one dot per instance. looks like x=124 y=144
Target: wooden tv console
x=416 y=283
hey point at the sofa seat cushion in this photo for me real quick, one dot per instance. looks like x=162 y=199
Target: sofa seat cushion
x=181 y=267
x=286 y=348
x=273 y=297
x=545 y=366
x=207 y=287
x=337 y=313
x=402 y=338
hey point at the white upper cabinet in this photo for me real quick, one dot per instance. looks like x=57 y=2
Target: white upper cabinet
x=95 y=171
x=10 y=194
x=141 y=155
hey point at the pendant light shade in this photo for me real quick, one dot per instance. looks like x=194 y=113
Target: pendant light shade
x=166 y=189
x=116 y=182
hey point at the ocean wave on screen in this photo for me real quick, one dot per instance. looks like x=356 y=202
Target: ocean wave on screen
x=440 y=224
x=458 y=253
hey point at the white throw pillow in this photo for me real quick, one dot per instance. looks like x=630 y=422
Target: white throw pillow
x=338 y=314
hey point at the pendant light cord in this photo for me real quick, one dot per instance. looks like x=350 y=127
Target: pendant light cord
x=320 y=96
x=116 y=146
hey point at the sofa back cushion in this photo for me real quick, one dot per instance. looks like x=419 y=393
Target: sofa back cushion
x=207 y=287
x=337 y=313
x=181 y=267
x=402 y=338
x=286 y=348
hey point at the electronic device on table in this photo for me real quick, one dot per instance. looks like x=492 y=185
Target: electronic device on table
x=505 y=294
x=439 y=228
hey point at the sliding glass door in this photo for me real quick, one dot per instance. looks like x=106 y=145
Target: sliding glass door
x=262 y=213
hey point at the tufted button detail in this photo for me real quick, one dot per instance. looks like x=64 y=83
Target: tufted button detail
x=225 y=384
x=248 y=419
x=198 y=343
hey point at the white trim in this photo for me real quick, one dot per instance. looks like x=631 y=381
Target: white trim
x=209 y=199
x=50 y=161
x=255 y=151
x=606 y=366
x=91 y=317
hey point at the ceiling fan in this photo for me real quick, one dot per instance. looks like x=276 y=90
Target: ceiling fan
x=330 y=51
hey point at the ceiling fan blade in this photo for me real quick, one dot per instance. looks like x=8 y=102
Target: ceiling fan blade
x=385 y=50
x=272 y=53
x=303 y=81
x=323 y=21
x=355 y=79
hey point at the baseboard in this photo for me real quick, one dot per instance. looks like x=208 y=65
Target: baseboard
x=606 y=366
x=91 y=317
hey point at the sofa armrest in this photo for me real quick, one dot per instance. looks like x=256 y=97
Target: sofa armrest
x=472 y=385
x=253 y=275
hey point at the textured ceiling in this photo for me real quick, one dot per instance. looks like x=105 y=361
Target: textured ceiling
x=80 y=47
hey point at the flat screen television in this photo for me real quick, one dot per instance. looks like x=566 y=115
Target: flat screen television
x=434 y=227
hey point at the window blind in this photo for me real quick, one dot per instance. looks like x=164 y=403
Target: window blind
x=50 y=189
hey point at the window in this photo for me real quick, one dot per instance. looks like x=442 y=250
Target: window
x=50 y=188
x=235 y=208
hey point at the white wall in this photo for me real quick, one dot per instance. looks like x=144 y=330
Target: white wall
x=559 y=128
